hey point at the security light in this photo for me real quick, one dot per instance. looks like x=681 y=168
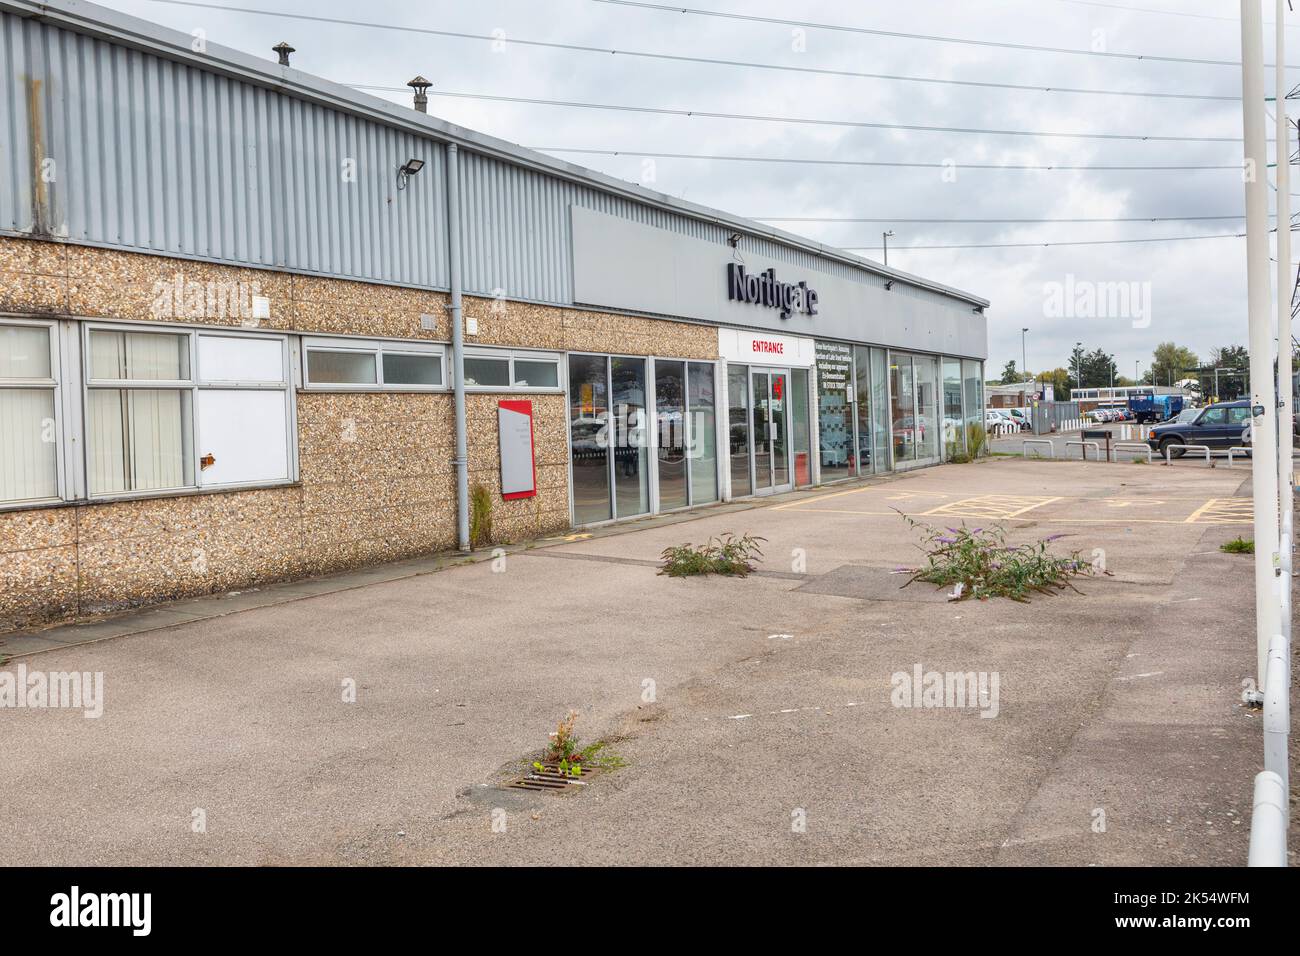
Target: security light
x=411 y=167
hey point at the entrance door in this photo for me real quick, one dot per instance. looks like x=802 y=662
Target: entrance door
x=771 y=430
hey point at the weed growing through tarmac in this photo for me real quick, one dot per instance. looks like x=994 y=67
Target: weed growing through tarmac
x=723 y=555
x=1238 y=545
x=984 y=565
x=568 y=758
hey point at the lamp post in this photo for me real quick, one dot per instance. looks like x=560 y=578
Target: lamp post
x=1024 y=357
x=884 y=238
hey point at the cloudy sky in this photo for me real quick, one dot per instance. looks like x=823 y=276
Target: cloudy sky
x=1197 y=287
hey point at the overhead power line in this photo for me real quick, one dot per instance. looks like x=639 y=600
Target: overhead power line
x=1035 y=245
x=1042 y=167
x=712 y=61
x=933 y=38
x=810 y=121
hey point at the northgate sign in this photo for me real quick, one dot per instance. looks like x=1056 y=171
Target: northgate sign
x=764 y=289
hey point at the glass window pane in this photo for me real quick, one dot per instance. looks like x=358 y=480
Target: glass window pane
x=879 y=411
x=24 y=351
x=139 y=439
x=530 y=373
x=927 y=402
x=902 y=406
x=703 y=423
x=800 y=427
x=139 y=356
x=760 y=391
x=411 y=368
x=28 y=467
x=834 y=424
x=973 y=387
x=487 y=372
x=779 y=410
x=341 y=368
x=862 y=375
x=738 y=429
x=631 y=474
x=953 y=428
x=671 y=422
x=588 y=415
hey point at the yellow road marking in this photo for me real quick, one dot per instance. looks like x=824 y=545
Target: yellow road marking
x=1224 y=511
x=990 y=506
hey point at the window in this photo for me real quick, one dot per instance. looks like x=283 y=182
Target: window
x=139 y=412
x=503 y=370
x=531 y=373
x=29 y=426
x=487 y=372
x=170 y=410
x=371 y=365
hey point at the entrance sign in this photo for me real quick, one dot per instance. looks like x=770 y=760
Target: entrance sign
x=518 y=463
x=766 y=348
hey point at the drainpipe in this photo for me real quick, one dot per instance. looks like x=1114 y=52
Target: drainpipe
x=461 y=461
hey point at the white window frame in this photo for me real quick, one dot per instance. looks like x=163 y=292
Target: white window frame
x=53 y=384
x=377 y=348
x=194 y=384
x=510 y=356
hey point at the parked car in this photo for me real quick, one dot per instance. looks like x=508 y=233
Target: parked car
x=996 y=418
x=1019 y=417
x=1215 y=426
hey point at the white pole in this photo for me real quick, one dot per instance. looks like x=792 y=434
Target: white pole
x=1285 y=272
x=1263 y=394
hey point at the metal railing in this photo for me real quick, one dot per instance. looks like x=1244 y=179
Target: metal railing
x=1238 y=449
x=1270 y=810
x=1096 y=447
x=1051 y=446
x=1133 y=446
x=1268 y=815
x=1198 y=448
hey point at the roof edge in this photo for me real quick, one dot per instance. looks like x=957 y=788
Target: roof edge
x=101 y=22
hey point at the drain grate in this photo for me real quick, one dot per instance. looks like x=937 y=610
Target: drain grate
x=550 y=778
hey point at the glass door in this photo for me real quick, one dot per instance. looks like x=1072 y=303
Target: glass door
x=771 y=430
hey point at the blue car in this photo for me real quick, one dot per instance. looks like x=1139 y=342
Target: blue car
x=1215 y=426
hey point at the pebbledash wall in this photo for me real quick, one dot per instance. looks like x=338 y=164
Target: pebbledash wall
x=138 y=164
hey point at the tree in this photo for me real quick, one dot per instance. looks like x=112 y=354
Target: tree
x=1059 y=379
x=1098 y=369
x=1009 y=373
x=1169 y=362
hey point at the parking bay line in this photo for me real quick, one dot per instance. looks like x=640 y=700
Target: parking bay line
x=1038 y=518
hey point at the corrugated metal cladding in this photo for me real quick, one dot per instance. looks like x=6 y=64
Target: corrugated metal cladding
x=156 y=155
x=149 y=154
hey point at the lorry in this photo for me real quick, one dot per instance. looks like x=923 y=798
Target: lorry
x=1148 y=407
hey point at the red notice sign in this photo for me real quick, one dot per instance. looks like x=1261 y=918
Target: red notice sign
x=518 y=461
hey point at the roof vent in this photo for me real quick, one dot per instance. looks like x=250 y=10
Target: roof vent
x=420 y=84
x=283 y=49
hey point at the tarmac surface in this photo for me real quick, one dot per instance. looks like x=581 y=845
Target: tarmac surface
x=759 y=720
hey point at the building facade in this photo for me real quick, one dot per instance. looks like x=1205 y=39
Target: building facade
x=226 y=353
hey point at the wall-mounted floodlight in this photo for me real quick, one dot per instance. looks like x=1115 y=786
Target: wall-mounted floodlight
x=408 y=170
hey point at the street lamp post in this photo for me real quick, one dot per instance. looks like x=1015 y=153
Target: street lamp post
x=1024 y=357
x=884 y=238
